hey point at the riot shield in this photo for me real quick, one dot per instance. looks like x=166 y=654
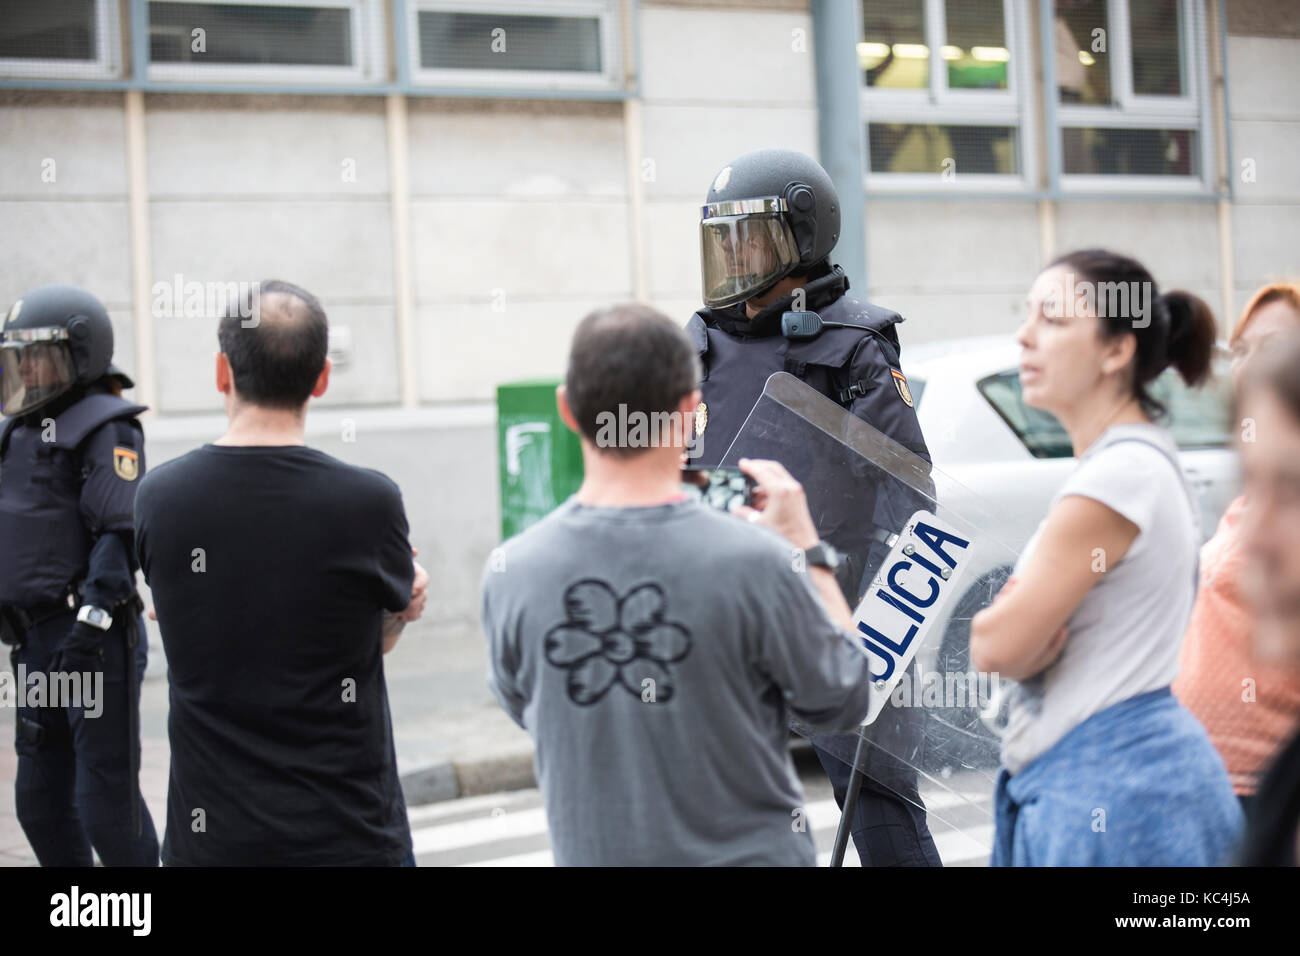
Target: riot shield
x=921 y=555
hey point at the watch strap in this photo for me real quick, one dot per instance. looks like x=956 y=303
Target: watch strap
x=822 y=555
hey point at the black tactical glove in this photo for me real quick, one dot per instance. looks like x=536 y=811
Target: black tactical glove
x=82 y=650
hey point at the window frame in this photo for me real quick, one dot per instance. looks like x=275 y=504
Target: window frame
x=608 y=12
x=107 y=64
x=369 y=65
x=939 y=105
x=1130 y=110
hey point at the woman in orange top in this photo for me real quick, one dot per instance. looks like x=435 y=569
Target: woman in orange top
x=1248 y=708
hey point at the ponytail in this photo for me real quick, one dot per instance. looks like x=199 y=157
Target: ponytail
x=1192 y=332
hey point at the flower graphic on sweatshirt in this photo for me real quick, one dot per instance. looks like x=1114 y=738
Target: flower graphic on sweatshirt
x=606 y=640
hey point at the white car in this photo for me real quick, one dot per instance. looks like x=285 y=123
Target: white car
x=979 y=432
x=1005 y=462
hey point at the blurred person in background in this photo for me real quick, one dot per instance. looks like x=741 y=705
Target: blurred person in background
x=1101 y=765
x=1248 y=707
x=1269 y=445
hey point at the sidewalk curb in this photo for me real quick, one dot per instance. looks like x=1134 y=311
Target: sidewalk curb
x=452 y=779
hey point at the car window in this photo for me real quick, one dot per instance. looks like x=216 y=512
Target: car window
x=1039 y=431
x=1198 y=417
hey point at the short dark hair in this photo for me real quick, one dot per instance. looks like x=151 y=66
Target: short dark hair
x=1180 y=331
x=628 y=355
x=276 y=341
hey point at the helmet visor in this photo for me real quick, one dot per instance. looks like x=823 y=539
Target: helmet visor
x=33 y=370
x=743 y=255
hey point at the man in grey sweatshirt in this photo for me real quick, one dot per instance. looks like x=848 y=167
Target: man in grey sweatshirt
x=655 y=648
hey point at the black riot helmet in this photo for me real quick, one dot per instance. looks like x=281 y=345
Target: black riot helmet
x=769 y=213
x=54 y=338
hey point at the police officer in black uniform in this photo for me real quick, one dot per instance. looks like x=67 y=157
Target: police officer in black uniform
x=770 y=222
x=71 y=456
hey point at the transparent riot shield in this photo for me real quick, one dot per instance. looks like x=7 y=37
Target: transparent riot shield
x=922 y=555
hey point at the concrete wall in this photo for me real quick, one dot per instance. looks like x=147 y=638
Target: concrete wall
x=248 y=187
x=951 y=267
x=519 y=226
x=63 y=208
x=705 y=102
x=1264 y=120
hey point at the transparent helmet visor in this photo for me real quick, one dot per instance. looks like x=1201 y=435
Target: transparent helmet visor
x=742 y=255
x=32 y=373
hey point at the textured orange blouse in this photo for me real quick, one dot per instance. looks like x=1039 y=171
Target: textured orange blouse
x=1248 y=709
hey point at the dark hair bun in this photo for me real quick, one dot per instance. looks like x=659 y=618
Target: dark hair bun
x=1192 y=332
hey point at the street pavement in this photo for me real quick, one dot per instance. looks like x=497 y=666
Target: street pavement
x=509 y=829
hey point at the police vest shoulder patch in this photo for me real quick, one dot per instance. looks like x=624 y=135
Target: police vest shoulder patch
x=701 y=418
x=900 y=383
x=126 y=463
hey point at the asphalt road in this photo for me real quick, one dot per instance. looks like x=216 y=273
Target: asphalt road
x=509 y=829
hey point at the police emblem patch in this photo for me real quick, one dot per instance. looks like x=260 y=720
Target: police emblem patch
x=126 y=463
x=900 y=383
x=701 y=418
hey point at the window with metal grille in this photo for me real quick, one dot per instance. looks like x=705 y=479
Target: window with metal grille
x=60 y=38
x=266 y=40
x=561 y=44
x=1131 y=93
x=944 y=93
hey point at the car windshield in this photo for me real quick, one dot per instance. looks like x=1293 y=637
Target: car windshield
x=1037 y=430
x=1198 y=417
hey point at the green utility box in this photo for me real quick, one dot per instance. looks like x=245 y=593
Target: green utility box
x=540 y=458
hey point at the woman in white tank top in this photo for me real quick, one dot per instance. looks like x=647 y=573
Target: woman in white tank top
x=1101 y=766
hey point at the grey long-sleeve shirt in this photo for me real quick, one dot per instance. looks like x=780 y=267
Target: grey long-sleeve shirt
x=655 y=655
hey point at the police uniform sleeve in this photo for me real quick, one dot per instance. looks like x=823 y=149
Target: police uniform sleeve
x=886 y=400
x=112 y=463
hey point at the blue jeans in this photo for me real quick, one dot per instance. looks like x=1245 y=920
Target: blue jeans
x=1137 y=784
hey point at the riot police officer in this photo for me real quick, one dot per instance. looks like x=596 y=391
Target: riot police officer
x=769 y=224
x=71 y=455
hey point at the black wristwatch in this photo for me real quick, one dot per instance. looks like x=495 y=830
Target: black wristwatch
x=822 y=555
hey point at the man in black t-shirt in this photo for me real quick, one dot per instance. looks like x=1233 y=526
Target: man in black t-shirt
x=280 y=577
